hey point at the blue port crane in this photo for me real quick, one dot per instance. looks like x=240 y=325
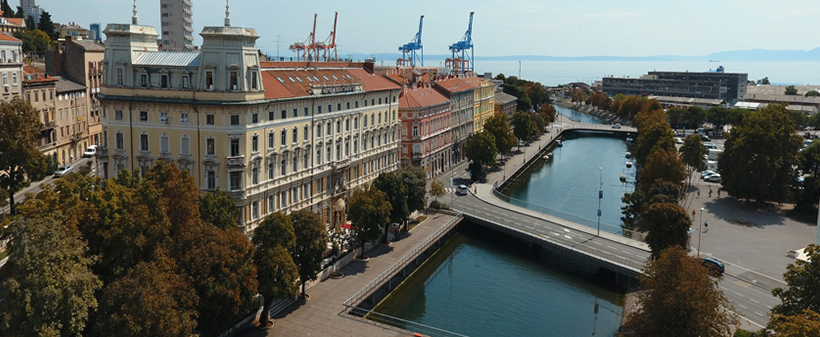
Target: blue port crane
x=408 y=51
x=463 y=62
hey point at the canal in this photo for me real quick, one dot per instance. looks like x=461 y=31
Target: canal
x=483 y=283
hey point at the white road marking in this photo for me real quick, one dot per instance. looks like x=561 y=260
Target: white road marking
x=759 y=314
x=753 y=300
x=556 y=234
x=769 y=306
x=566 y=230
x=742 y=306
x=625 y=252
x=597 y=243
x=612 y=247
x=724 y=288
x=568 y=237
x=738 y=294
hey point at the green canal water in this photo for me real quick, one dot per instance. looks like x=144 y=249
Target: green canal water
x=481 y=283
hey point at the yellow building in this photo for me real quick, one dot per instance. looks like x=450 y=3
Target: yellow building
x=483 y=104
x=279 y=136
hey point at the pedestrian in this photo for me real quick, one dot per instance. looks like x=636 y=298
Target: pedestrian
x=698 y=193
x=710 y=192
x=706 y=226
x=718 y=193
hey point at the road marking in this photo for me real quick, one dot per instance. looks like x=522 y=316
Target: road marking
x=738 y=294
x=744 y=308
x=612 y=247
x=625 y=252
x=724 y=288
x=556 y=234
x=568 y=237
x=566 y=230
x=597 y=243
x=753 y=300
x=759 y=314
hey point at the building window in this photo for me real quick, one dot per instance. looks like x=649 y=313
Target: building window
x=339 y=107
x=271 y=203
x=255 y=176
x=356 y=104
x=338 y=126
x=143 y=116
x=373 y=120
x=164 y=80
x=255 y=118
x=209 y=80
x=234 y=81
x=14 y=82
x=329 y=130
x=355 y=123
x=305 y=161
x=255 y=210
x=120 y=141
x=283 y=168
x=143 y=142
x=144 y=80
x=318 y=130
x=254 y=86
x=185 y=145
x=295 y=112
x=283 y=200
x=355 y=146
x=284 y=140
x=318 y=156
x=270 y=115
x=295 y=164
x=117 y=115
x=211 y=178
x=270 y=140
x=234 y=119
x=119 y=76
x=318 y=110
x=185 y=81
x=163 y=116
x=380 y=100
x=255 y=143
x=365 y=121
x=365 y=102
x=329 y=108
x=271 y=170
x=210 y=119
x=348 y=105
x=306 y=133
x=236 y=181
x=234 y=147
x=164 y=146
x=295 y=136
x=307 y=112
x=347 y=124
x=284 y=114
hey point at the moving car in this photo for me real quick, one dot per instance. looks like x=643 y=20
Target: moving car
x=715 y=267
x=90 y=151
x=616 y=126
x=705 y=138
x=461 y=190
x=678 y=140
x=63 y=170
x=715 y=178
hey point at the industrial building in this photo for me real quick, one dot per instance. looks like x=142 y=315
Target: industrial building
x=729 y=87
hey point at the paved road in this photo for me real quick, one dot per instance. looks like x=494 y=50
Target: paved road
x=34 y=188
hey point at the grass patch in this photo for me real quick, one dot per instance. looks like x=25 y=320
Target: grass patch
x=415 y=222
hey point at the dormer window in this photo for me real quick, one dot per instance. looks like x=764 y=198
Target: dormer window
x=185 y=80
x=209 y=80
x=234 y=81
x=254 y=86
x=144 y=80
x=164 y=80
x=119 y=76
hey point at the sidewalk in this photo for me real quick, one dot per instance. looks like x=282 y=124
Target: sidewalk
x=322 y=314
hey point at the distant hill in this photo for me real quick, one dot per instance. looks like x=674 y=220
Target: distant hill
x=734 y=55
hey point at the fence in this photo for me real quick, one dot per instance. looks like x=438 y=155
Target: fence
x=352 y=303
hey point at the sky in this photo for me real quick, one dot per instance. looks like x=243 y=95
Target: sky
x=500 y=28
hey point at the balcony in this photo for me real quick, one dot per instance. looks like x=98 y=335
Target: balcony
x=417 y=155
x=236 y=161
x=48 y=125
x=238 y=195
x=340 y=163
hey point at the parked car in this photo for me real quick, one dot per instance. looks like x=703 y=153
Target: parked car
x=710 y=145
x=715 y=267
x=616 y=126
x=715 y=178
x=705 y=138
x=706 y=173
x=90 y=151
x=63 y=170
x=461 y=190
x=678 y=140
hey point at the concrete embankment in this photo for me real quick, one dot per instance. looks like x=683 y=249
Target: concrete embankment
x=589 y=110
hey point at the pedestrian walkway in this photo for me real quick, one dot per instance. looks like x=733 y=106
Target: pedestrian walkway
x=323 y=315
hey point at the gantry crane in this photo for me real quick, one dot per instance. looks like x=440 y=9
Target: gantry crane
x=408 y=51
x=463 y=62
x=328 y=46
x=306 y=51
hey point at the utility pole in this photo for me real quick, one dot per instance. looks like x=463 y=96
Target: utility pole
x=600 y=196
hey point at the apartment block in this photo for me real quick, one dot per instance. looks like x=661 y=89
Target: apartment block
x=426 y=140
x=177 y=25
x=11 y=65
x=39 y=90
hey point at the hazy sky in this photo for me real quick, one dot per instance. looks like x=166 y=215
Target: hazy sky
x=512 y=27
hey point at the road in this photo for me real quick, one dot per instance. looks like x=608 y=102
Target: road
x=35 y=188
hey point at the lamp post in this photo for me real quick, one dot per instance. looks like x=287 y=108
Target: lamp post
x=600 y=196
x=700 y=230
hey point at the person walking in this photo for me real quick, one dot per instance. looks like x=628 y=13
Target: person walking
x=706 y=226
x=698 y=193
x=710 y=192
x=718 y=193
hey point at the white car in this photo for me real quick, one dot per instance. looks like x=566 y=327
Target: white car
x=63 y=170
x=90 y=151
x=616 y=126
x=678 y=140
x=715 y=178
x=706 y=173
x=461 y=190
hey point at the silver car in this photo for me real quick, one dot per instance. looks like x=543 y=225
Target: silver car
x=63 y=170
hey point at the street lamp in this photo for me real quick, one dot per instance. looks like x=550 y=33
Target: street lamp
x=600 y=196
x=700 y=230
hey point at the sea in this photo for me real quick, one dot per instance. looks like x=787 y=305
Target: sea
x=552 y=73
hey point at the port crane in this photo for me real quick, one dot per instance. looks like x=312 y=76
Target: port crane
x=306 y=51
x=408 y=51
x=328 y=46
x=462 y=61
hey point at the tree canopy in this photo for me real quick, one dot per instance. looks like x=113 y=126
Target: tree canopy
x=415 y=183
x=19 y=156
x=498 y=126
x=654 y=133
x=679 y=298
x=803 y=279
x=34 y=41
x=759 y=155
x=549 y=113
x=437 y=189
x=277 y=273
x=692 y=152
x=47 y=26
x=311 y=243
x=522 y=126
x=812 y=93
x=665 y=165
x=396 y=191
x=480 y=148
x=219 y=209
x=791 y=90
x=668 y=225
x=369 y=213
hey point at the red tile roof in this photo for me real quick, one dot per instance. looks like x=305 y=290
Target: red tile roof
x=7 y=37
x=288 y=82
x=33 y=75
x=421 y=97
x=454 y=85
x=15 y=21
x=373 y=82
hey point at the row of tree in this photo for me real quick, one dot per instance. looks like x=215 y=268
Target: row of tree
x=530 y=94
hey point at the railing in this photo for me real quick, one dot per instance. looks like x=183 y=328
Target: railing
x=609 y=228
x=236 y=161
x=352 y=303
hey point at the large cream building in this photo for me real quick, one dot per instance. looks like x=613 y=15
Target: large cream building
x=279 y=136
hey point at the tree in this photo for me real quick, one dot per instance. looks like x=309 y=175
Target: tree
x=276 y=271
x=675 y=116
x=718 y=116
x=30 y=23
x=653 y=133
x=415 y=183
x=7 y=11
x=665 y=165
x=19 y=156
x=694 y=116
x=180 y=195
x=369 y=212
x=480 y=148
x=803 y=279
x=679 y=298
x=522 y=126
x=311 y=243
x=47 y=26
x=524 y=102
x=219 y=209
x=668 y=225
x=34 y=41
x=539 y=123
x=806 y=324
x=578 y=96
x=150 y=301
x=692 y=152
x=764 y=80
x=812 y=93
x=760 y=154
x=396 y=192
x=497 y=126
x=791 y=90
x=437 y=189
x=50 y=287
x=537 y=93
x=549 y=113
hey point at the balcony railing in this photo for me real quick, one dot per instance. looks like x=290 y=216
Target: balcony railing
x=239 y=195
x=236 y=161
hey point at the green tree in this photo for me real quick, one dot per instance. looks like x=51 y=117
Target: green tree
x=311 y=243
x=803 y=279
x=809 y=159
x=437 y=189
x=415 y=183
x=692 y=152
x=675 y=116
x=736 y=115
x=806 y=324
x=679 y=298
x=150 y=301
x=537 y=93
x=522 y=126
x=480 y=148
x=549 y=113
x=764 y=80
x=694 y=116
x=396 y=191
x=30 y=24
x=276 y=271
x=654 y=133
x=668 y=225
x=760 y=154
x=540 y=124
x=665 y=165
x=50 y=287
x=812 y=93
x=34 y=41
x=369 y=213
x=47 y=26
x=7 y=11
x=524 y=102
x=219 y=209
x=718 y=116
x=497 y=126
x=19 y=156
x=791 y=90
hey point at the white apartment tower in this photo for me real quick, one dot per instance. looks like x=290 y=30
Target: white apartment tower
x=30 y=8
x=177 y=25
